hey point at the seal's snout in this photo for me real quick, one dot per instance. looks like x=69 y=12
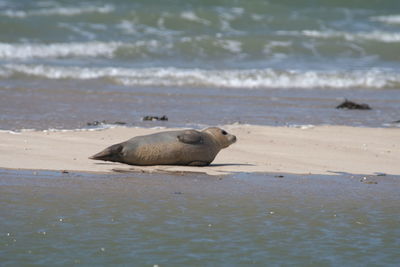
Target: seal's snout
x=233 y=139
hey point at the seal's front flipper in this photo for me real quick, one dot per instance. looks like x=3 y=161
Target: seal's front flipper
x=112 y=153
x=190 y=137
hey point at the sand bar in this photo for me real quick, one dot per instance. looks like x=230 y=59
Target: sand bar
x=303 y=150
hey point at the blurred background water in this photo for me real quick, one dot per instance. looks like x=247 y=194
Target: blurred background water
x=64 y=61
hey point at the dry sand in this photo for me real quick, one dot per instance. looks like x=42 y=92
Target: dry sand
x=307 y=150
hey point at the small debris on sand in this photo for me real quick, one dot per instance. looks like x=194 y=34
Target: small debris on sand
x=367 y=180
x=155 y=118
x=97 y=123
x=119 y=123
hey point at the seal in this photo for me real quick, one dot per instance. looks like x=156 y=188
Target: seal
x=186 y=147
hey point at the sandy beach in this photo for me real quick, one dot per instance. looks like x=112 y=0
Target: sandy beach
x=263 y=149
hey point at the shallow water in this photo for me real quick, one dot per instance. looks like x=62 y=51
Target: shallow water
x=49 y=218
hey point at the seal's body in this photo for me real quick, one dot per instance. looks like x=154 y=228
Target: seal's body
x=187 y=147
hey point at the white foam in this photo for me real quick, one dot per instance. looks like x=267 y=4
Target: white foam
x=89 y=35
x=14 y=13
x=9 y=132
x=257 y=17
x=230 y=45
x=269 y=47
x=391 y=125
x=59 y=11
x=390 y=19
x=132 y=27
x=301 y=126
x=380 y=36
x=51 y=72
x=100 y=127
x=191 y=16
x=230 y=13
x=266 y=78
x=227 y=15
x=89 y=49
x=127 y=27
x=250 y=78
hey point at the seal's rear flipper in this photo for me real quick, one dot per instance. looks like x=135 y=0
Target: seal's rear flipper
x=112 y=153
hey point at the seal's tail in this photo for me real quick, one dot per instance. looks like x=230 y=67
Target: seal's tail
x=112 y=153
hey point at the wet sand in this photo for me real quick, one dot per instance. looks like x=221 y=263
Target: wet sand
x=63 y=104
x=260 y=149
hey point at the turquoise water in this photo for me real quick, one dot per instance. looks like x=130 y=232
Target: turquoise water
x=66 y=63
x=239 y=44
x=145 y=220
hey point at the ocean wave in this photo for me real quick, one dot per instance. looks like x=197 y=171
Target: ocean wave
x=270 y=46
x=191 y=16
x=59 y=11
x=230 y=45
x=140 y=48
x=390 y=19
x=380 y=36
x=265 y=78
x=89 y=49
x=249 y=78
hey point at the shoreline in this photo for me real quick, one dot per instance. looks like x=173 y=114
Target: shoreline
x=327 y=150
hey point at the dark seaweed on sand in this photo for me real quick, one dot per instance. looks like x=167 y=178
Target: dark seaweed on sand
x=352 y=105
x=155 y=118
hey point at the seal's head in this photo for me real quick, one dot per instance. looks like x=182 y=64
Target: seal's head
x=223 y=138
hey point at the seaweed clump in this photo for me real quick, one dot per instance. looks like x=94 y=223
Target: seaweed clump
x=352 y=105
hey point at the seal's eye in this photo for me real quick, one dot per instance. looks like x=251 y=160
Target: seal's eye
x=223 y=132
